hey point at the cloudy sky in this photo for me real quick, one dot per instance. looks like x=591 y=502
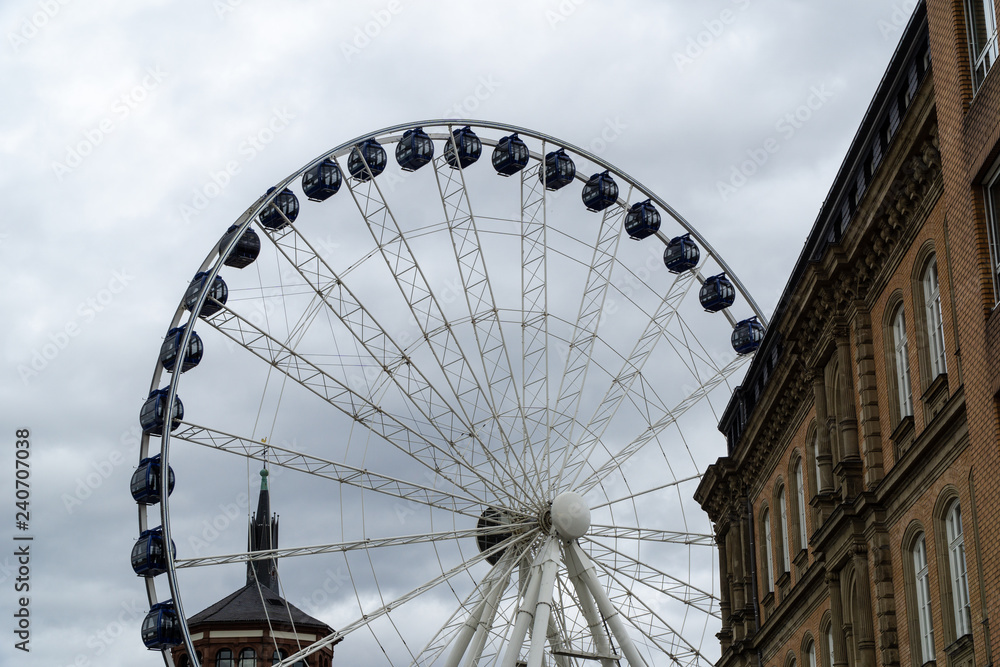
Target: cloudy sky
x=133 y=134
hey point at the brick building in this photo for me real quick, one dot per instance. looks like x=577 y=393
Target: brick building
x=857 y=512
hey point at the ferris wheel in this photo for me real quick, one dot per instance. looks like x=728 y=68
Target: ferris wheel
x=487 y=371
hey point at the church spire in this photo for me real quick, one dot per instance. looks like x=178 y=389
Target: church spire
x=263 y=536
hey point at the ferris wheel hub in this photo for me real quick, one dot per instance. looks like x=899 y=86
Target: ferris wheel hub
x=570 y=515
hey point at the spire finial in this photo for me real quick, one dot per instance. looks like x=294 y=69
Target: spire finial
x=263 y=479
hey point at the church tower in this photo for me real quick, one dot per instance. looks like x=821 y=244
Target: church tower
x=254 y=626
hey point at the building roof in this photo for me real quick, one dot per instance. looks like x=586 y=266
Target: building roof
x=253 y=604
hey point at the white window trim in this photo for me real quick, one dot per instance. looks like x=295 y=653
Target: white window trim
x=934 y=319
x=991 y=190
x=769 y=558
x=957 y=570
x=987 y=55
x=783 y=509
x=800 y=484
x=902 y=357
x=925 y=621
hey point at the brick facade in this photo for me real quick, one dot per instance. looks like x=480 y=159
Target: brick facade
x=894 y=489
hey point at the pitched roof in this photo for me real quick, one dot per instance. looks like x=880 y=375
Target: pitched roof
x=251 y=604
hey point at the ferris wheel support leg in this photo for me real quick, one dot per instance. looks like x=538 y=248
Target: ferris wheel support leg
x=601 y=642
x=543 y=607
x=607 y=609
x=485 y=621
x=465 y=635
x=526 y=612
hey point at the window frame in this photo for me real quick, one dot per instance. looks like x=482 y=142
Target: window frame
x=991 y=202
x=230 y=661
x=930 y=282
x=799 y=528
x=919 y=600
x=898 y=371
x=983 y=56
x=781 y=500
x=766 y=546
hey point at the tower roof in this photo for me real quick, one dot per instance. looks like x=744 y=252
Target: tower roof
x=263 y=536
x=251 y=604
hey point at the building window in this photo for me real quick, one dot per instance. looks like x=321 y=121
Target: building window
x=957 y=571
x=993 y=227
x=901 y=361
x=982 y=33
x=783 y=510
x=248 y=658
x=765 y=528
x=810 y=658
x=224 y=658
x=828 y=662
x=935 y=323
x=800 y=505
x=923 y=599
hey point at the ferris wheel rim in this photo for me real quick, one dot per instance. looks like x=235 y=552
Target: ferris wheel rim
x=212 y=268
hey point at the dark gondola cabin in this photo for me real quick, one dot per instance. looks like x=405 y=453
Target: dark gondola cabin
x=747 y=335
x=145 y=484
x=369 y=152
x=717 y=293
x=642 y=220
x=244 y=252
x=681 y=254
x=149 y=557
x=281 y=211
x=510 y=155
x=161 y=628
x=218 y=294
x=600 y=192
x=152 y=417
x=464 y=149
x=489 y=520
x=414 y=150
x=558 y=170
x=322 y=181
x=171 y=345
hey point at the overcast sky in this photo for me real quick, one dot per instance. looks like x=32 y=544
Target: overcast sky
x=119 y=115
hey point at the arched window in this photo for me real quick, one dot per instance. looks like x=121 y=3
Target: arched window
x=922 y=599
x=247 y=658
x=279 y=655
x=956 y=569
x=826 y=641
x=224 y=658
x=933 y=319
x=901 y=364
x=783 y=541
x=765 y=530
x=810 y=654
x=800 y=504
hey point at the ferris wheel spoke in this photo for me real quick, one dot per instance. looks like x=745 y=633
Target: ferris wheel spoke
x=474 y=401
x=652 y=489
x=534 y=314
x=650 y=535
x=482 y=307
x=581 y=344
x=341 y=473
x=431 y=449
x=576 y=457
x=395 y=364
x=367 y=543
x=622 y=456
x=367 y=618
x=657 y=580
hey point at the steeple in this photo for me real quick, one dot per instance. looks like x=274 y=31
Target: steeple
x=263 y=536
